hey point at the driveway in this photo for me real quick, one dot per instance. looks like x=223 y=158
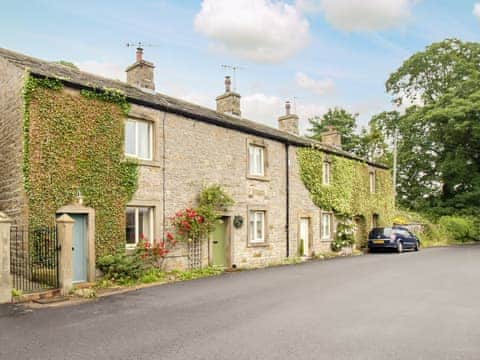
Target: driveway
x=423 y=305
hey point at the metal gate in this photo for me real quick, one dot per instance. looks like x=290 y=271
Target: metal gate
x=34 y=258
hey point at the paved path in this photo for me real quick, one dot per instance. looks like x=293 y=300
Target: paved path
x=422 y=305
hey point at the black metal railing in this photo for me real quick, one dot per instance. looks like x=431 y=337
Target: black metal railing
x=34 y=258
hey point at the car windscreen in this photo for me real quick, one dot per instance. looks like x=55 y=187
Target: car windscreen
x=380 y=233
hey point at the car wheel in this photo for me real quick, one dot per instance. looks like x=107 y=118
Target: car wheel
x=417 y=246
x=400 y=247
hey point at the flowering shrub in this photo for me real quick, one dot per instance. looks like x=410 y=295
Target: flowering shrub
x=147 y=260
x=190 y=224
x=345 y=234
x=153 y=255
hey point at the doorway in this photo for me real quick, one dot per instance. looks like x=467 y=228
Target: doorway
x=219 y=243
x=79 y=248
x=304 y=237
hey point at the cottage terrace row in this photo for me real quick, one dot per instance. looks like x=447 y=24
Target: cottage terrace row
x=179 y=148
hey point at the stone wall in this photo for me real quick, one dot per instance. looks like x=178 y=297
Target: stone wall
x=198 y=154
x=12 y=196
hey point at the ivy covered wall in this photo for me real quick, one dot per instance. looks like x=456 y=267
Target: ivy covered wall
x=74 y=141
x=348 y=193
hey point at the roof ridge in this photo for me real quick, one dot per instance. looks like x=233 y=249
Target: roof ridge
x=84 y=79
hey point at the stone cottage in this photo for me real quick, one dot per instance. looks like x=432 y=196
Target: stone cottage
x=178 y=147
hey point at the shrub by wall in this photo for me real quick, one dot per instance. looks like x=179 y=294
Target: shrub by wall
x=460 y=229
x=74 y=141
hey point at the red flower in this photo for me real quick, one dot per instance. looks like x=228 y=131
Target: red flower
x=169 y=236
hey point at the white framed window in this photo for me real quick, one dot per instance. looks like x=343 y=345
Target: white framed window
x=138 y=139
x=326 y=226
x=372 y=181
x=138 y=225
x=326 y=173
x=256 y=160
x=256 y=227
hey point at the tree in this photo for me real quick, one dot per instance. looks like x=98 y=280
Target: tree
x=429 y=74
x=439 y=138
x=342 y=120
x=372 y=145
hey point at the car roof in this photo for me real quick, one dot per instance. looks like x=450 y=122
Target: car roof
x=391 y=227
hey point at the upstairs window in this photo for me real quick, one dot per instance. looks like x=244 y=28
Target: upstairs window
x=326 y=173
x=372 y=182
x=138 y=139
x=256 y=160
x=256 y=227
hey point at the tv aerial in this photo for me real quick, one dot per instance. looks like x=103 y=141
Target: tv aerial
x=234 y=69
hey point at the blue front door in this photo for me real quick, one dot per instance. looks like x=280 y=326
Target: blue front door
x=79 y=248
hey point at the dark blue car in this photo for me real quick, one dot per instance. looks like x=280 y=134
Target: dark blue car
x=394 y=238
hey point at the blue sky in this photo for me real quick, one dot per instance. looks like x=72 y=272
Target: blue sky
x=324 y=53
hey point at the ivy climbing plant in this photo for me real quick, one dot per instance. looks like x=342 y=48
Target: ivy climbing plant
x=73 y=141
x=348 y=194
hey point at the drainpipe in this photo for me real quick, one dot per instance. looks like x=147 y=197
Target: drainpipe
x=287 y=195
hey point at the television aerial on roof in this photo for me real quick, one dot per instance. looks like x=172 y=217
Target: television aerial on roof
x=234 y=69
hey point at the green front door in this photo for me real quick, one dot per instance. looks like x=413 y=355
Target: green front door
x=218 y=241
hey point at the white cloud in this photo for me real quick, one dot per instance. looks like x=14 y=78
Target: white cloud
x=476 y=10
x=264 y=31
x=360 y=15
x=267 y=109
x=106 y=69
x=318 y=87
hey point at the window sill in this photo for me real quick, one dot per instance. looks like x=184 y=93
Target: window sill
x=259 y=178
x=255 y=245
x=151 y=163
x=130 y=250
x=326 y=240
x=141 y=162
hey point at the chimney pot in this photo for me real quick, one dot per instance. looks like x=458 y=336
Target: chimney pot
x=287 y=108
x=229 y=102
x=289 y=121
x=228 y=84
x=140 y=73
x=139 y=54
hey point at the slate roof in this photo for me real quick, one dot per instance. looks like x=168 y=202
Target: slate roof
x=80 y=79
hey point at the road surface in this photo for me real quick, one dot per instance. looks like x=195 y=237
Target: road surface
x=423 y=305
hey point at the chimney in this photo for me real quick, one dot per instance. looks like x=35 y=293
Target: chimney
x=140 y=73
x=288 y=122
x=332 y=137
x=229 y=102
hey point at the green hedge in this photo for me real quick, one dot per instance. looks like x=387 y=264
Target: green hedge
x=460 y=229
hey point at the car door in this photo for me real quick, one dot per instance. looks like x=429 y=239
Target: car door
x=413 y=239
x=402 y=236
x=408 y=241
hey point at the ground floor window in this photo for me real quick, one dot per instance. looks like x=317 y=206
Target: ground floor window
x=139 y=225
x=256 y=227
x=326 y=226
